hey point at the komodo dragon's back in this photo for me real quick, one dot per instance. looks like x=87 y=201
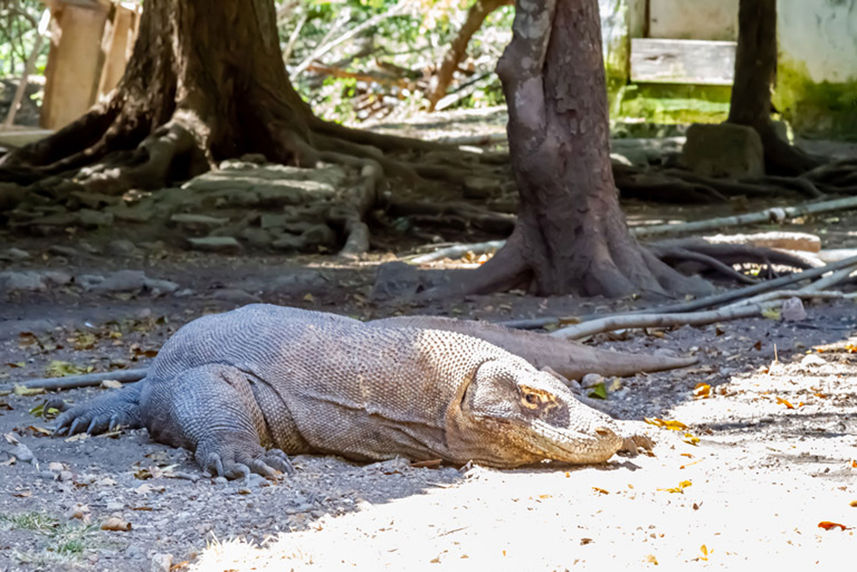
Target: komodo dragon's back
x=228 y=385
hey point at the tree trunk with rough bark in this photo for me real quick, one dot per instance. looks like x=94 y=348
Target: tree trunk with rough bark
x=571 y=235
x=205 y=82
x=755 y=73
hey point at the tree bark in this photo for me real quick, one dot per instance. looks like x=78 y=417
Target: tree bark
x=571 y=236
x=458 y=48
x=204 y=83
x=755 y=73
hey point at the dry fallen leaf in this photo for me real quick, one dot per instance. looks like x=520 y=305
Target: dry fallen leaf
x=785 y=402
x=705 y=552
x=600 y=490
x=116 y=523
x=679 y=489
x=702 y=391
x=23 y=391
x=672 y=425
x=690 y=439
x=827 y=525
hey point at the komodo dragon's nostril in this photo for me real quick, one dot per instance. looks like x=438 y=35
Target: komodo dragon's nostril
x=604 y=431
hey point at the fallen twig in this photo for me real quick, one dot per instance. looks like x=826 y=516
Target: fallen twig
x=775 y=214
x=86 y=380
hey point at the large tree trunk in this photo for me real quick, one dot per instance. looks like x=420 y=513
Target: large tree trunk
x=755 y=73
x=201 y=85
x=571 y=236
x=205 y=82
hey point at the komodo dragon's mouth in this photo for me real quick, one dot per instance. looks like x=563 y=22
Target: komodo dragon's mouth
x=567 y=445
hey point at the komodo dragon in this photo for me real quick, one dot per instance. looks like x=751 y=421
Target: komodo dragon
x=227 y=385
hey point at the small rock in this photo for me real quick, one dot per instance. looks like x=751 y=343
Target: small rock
x=297 y=282
x=160 y=287
x=255 y=480
x=221 y=244
x=121 y=247
x=184 y=293
x=23 y=453
x=56 y=467
x=289 y=242
x=161 y=563
x=122 y=281
x=89 y=217
x=56 y=277
x=220 y=480
x=22 y=281
x=812 y=360
x=723 y=150
x=64 y=251
x=793 y=310
x=395 y=280
x=198 y=222
x=256 y=236
x=15 y=254
x=591 y=380
x=256 y=158
x=65 y=476
x=89 y=281
x=235 y=296
x=319 y=235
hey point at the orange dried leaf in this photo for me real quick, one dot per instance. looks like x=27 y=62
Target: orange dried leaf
x=600 y=490
x=785 y=402
x=854 y=464
x=672 y=425
x=827 y=525
x=679 y=489
x=702 y=391
x=690 y=439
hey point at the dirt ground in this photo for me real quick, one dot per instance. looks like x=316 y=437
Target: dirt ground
x=764 y=472
x=753 y=488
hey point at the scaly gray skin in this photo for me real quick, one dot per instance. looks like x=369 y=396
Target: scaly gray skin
x=227 y=386
x=568 y=358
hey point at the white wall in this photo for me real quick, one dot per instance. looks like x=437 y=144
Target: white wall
x=822 y=34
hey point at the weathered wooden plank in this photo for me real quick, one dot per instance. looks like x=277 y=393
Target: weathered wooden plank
x=682 y=61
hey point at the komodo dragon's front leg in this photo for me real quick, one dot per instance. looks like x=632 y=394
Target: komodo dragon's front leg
x=211 y=410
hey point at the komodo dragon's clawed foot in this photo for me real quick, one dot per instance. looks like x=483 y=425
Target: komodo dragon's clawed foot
x=237 y=460
x=105 y=413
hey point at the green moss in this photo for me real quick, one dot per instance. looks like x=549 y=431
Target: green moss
x=674 y=103
x=815 y=109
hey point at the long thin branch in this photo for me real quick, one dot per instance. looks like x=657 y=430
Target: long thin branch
x=325 y=46
x=87 y=380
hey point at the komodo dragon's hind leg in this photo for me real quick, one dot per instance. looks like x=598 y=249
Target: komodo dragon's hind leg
x=106 y=412
x=212 y=411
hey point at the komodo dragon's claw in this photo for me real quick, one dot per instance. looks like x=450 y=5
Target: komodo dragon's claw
x=233 y=463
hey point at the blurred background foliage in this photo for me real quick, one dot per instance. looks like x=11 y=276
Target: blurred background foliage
x=352 y=60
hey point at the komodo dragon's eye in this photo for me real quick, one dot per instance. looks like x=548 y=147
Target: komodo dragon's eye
x=533 y=399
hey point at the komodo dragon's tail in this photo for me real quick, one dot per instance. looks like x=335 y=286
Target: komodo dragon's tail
x=570 y=359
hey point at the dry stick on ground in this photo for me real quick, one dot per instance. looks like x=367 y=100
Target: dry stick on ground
x=708 y=301
x=732 y=312
x=777 y=214
x=87 y=380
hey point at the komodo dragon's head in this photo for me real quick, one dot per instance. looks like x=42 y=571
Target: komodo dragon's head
x=511 y=414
